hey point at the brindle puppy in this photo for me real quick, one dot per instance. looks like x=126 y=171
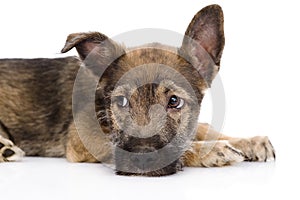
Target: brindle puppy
x=146 y=101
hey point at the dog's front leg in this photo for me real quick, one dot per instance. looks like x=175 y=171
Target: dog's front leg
x=215 y=153
x=257 y=148
x=84 y=146
x=75 y=149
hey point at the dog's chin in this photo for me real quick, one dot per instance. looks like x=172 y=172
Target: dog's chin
x=168 y=170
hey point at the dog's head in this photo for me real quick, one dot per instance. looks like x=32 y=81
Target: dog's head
x=150 y=96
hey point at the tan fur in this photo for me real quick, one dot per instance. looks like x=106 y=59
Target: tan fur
x=212 y=154
x=212 y=149
x=75 y=149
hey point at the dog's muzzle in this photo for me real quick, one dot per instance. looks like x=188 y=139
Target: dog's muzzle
x=147 y=161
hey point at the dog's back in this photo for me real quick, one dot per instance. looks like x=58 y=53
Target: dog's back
x=35 y=102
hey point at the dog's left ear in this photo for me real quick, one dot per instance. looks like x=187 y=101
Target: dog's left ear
x=204 y=41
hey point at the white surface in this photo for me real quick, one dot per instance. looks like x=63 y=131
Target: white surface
x=260 y=72
x=41 y=178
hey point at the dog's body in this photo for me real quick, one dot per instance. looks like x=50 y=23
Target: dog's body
x=136 y=87
x=36 y=103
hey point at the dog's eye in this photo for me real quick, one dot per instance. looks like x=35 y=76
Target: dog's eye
x=122 y=101
x=175 y=102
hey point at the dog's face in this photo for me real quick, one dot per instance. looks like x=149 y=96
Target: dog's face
x=150 y=96
x=153 y=106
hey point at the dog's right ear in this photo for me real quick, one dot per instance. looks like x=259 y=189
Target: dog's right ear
x=97 y=47
x=83 y=42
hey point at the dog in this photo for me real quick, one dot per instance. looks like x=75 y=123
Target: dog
x=141 y=114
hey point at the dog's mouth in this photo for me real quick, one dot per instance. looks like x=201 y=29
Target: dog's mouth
x=168 y=170
x=147 y=161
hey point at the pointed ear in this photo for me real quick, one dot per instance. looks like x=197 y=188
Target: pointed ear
x=204 y=41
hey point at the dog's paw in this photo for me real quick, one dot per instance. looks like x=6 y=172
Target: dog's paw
x=212 y=154
x=222 y=154
x=258 y=148
x=9 y=152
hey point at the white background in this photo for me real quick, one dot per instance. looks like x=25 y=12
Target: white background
x=260 y=74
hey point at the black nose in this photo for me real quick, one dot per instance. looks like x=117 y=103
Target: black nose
x=143 y=160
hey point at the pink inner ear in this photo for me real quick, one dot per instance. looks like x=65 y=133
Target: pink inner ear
x=202 y=58
x=85 y=48
x=89 y=46
x=206 y=36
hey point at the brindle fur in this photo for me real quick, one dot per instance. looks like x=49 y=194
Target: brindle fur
x=36 y=102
